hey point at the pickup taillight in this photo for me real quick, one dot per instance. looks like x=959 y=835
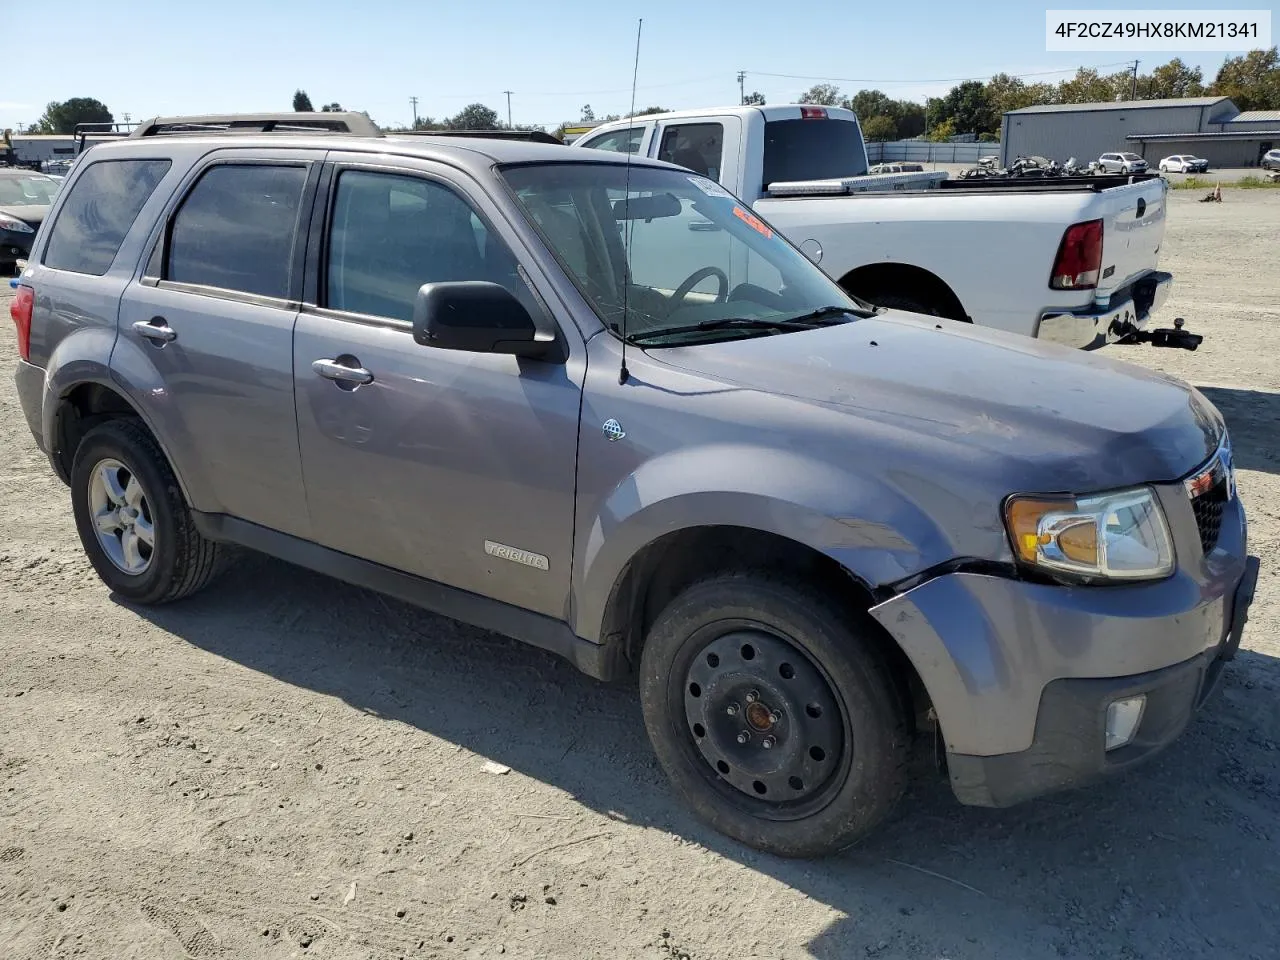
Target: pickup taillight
x=1079 y=257
x=23 y=305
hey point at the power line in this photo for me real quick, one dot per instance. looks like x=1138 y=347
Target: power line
x=1016 y=76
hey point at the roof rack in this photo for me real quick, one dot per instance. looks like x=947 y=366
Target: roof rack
x=350 y=123
x=533 y=136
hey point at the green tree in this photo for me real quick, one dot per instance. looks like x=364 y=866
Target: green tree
x=588 y=115
x=649 y=110
x=754 y=98
x=301 y=102
x=332 y=108
x=967 y=106
x=1169 y=80
x=880 y=128
x=909 y=117
x=870 y=103
x=1252 y=81
x=942 y=131
x=823 y=94
x=63 y=117
x=1088 y=87
x=474 y=116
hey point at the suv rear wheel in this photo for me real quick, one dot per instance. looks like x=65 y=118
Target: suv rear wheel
x=774 y=713
x=132 y=519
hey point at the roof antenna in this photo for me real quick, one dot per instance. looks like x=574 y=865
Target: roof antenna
x=623 y=373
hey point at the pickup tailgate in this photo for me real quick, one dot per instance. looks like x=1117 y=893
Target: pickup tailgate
x=1133 y=222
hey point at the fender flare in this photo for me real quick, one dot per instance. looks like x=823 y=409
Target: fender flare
x=859 y=524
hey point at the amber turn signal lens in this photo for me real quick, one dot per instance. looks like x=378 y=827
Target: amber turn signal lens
x=1023 y=518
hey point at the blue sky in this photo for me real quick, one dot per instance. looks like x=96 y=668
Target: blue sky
x=149 y=57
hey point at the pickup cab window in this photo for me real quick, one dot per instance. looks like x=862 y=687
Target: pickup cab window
x=696 y=146
x=812 y=149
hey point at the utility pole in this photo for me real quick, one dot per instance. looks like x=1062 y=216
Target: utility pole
x=508 y=93
x=1133 y=87
x=414 y=101
x=742 y=90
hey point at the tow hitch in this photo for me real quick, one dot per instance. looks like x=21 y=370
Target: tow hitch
x=1166 y=336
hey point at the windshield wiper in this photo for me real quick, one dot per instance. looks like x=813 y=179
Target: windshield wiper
x=823 y=313
x=823 y=317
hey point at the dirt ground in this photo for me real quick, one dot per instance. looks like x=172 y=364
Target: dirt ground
x=286 y=766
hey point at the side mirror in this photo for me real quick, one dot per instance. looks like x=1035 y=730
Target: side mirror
x=476 y=316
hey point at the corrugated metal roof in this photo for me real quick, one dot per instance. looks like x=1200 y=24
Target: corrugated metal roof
x=1121 y=105
x=1256 y=116
x=1200 y=135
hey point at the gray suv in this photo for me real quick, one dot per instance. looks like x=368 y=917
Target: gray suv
x=595 y=403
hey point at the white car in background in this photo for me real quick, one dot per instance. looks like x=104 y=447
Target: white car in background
x=1271 y=160
x=1184 y=163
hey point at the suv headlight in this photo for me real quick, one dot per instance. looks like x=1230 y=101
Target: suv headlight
x=1113 y=536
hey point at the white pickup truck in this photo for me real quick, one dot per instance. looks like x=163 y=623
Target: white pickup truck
x=1072 y=260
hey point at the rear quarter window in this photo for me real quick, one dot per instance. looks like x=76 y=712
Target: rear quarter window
x=98 y=212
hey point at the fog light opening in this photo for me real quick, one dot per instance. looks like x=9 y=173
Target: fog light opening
x=1123 y=719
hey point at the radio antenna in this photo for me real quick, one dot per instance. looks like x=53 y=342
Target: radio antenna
x=623 y=374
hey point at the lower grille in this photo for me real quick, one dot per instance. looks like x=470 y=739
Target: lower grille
x=1208 y=510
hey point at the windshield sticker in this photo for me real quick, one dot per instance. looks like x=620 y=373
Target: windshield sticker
x=754 y=222
x=710 y=188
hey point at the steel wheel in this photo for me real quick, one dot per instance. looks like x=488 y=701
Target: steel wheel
x=765 y=721
x=121 y=516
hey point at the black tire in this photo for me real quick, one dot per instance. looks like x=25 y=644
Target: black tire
x=181 y=560
x=849 y=791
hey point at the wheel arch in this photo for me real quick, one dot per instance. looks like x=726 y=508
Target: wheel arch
x=82 y=405
x=667 y=565
x=891 y=277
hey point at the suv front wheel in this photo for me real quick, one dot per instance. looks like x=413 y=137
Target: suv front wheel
x=775 y=714
x=132 y=519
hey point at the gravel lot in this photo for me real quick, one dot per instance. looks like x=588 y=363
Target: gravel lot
x=286 y=766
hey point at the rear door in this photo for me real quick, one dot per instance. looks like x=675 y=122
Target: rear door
x=453 y=466
x=211 y=322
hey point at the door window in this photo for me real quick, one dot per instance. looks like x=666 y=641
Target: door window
x=619 y=141
x=236 y=229
x=389 y=234
x=696 y=146
x=98 y=212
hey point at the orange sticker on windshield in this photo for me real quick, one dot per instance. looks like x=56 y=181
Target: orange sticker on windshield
x=754 y=222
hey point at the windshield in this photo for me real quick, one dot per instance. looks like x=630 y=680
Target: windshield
x=696 y=255
x=33 y=191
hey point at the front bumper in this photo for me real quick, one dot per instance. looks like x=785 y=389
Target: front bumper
x=1068 y=749
x=1019 y=673
x=1127 y=311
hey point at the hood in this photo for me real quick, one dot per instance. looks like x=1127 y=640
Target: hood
x=33 y=215
x=1045 y=418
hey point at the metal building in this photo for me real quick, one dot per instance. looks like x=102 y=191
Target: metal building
x=1087 y=130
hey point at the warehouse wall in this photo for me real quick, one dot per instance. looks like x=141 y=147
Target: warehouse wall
x=1219 y=153
x=1086 y=135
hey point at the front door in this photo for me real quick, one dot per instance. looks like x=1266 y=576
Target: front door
x=213 y=317
x=457 y=467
